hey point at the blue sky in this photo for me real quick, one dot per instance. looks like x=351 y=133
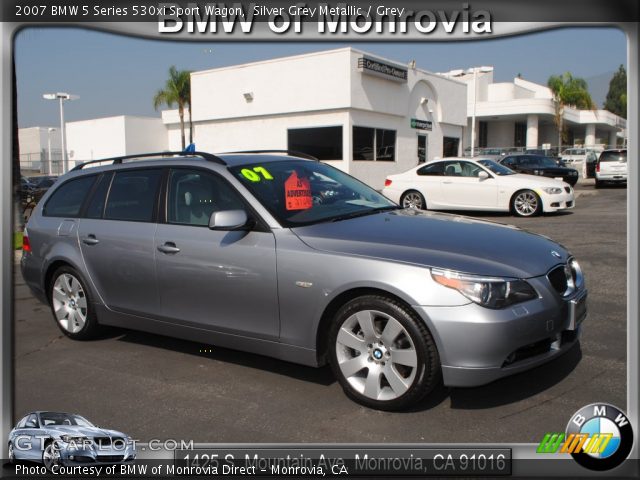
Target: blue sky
x=116 y=75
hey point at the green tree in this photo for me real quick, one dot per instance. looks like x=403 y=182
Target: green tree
x=616 y=101
x=177 y=91
x=568 y=91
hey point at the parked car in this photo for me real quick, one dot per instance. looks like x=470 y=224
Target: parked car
x=540 y=165
x=573 y=155
x=291 y=258
x=44 y=181
x=65 y=439
x=611 y=167
x=480 y=184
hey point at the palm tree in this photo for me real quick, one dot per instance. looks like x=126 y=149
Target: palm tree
x=568 y=91
x=177 y=91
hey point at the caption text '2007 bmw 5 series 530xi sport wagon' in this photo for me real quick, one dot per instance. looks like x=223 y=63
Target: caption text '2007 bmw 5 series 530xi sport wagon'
x=288 y=257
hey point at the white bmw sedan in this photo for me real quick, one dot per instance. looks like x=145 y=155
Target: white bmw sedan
x=479 y=184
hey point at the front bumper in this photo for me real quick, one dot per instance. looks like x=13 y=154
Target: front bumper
x=557 y=202
x=96 y=456
x=478 y=345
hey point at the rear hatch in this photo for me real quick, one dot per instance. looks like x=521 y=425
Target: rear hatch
x=613 y=162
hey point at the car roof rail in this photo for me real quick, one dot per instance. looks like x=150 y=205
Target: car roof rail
x=209 y=157
x=292 y=153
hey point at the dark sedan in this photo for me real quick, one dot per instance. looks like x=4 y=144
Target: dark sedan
x=540 y=165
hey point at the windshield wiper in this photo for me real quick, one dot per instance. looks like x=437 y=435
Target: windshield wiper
x=363 y=213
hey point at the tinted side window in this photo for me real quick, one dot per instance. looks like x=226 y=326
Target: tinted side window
x=509 y=162
x=133 y=195
x=67 y=200
x=96 y=204
x=194 y=195
x=432 y=169
x=21 y=423
x=32 y=421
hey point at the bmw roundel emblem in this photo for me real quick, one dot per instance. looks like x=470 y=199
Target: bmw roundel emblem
x=609 y=434
x=555 y=254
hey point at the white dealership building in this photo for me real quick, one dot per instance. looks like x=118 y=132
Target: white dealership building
x=367 y=115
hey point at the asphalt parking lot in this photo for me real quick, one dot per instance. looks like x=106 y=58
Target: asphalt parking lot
x=154 y=387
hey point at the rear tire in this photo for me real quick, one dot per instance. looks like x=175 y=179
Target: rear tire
x=598 y=183
x=413 y=199
x=382 y=353
x=72 y=304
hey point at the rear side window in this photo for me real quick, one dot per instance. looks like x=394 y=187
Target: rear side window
x=132 y=196
x=67 y=200
x=433 y=169
x=96 y=204
x=614 y=157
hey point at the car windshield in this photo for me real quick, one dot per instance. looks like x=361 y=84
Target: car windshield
x=301 y=192
x=55 y=418
x=496 y=167
x=543 y=162
x=614 y=157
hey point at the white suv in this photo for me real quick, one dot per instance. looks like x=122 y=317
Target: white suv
x=611 y=167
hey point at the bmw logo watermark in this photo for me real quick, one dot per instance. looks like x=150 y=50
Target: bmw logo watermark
x=605 y=436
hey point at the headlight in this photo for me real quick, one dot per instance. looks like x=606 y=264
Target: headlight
x=552 y=190
x=490 y=292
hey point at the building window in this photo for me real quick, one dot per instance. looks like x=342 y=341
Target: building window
x=482 y=134
x=375 y=144
x=422 y=148
x=520 y=136
x=324 y=143
x=450 y=146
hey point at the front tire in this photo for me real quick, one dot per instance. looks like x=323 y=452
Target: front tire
x=72 y=305
x=526 y=203
x=382 y=353
x=50 y=456
x=413 y=199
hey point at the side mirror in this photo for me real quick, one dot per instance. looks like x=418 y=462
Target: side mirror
x=228 y=220
x=482 y=175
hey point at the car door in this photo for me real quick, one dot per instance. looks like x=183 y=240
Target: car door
x=463 y=188
x=428 y=183
x=116 y=237
x=219 y=280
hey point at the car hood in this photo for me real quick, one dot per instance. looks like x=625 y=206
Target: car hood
x=83 y=431
x=440 y=240
x=535 y=181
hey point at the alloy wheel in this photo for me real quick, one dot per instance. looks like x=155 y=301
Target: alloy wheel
x=376 y=355
x=50 y=456
x=412 y=200
x=526 y=204
x=69 y=303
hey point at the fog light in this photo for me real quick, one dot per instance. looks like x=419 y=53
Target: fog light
x=555 y=204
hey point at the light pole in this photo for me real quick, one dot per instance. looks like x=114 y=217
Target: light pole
x=62 y=97
x=475 y=71
x=50 y=162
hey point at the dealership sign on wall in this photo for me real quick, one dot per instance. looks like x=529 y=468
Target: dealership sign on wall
x=381 y=69
x=421 y=124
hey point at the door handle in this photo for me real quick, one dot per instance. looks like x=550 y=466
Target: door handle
x=90 y=239
x=447 y=182
x=168 y=247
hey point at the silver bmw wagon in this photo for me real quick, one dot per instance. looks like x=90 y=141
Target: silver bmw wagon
x=285 y=256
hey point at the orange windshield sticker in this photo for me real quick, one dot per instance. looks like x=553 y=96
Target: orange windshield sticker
x=297 y=193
